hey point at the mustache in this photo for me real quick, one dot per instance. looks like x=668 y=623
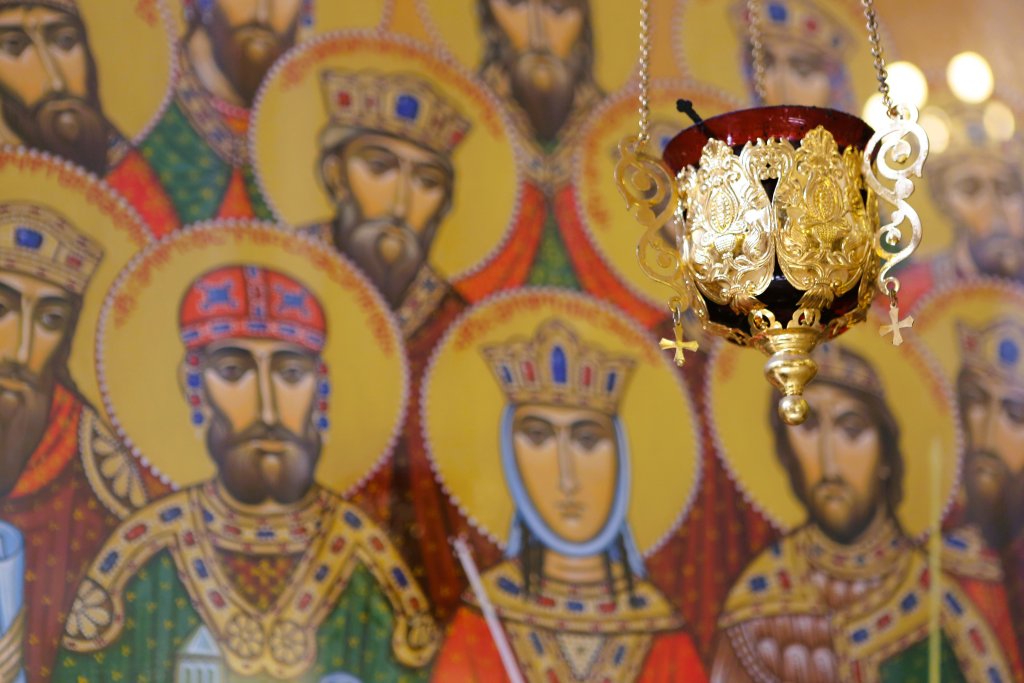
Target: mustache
x=261 y=431
x=19 y=373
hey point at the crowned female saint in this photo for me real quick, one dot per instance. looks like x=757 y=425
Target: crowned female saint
x=571 y=599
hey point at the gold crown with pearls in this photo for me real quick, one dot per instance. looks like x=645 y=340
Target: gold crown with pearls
x=796 y=20
x=69 y=6
x=39 y=242
x=994 y=349
x=841 y=366
x=401 y=105
x=557 y=368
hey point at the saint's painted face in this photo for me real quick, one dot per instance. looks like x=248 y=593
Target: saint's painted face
x=795 y=73
x=993 y=415
x=49 y=95
x=248 y=36
x=262 y=393
x=984 y=197
x=36 y=324
x=838 y=453
x=568 y=461
x=391 y=196
x=540 y=44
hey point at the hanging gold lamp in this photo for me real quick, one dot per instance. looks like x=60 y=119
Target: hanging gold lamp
x=773 y=214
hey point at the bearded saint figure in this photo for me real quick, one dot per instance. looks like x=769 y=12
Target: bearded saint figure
x=845 y=596
x=183 y=573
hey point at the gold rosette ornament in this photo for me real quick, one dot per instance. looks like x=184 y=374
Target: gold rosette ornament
x=774 y=213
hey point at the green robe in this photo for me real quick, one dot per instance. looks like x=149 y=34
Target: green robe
x=197 y=155
x=355 y=638
x=157 y=598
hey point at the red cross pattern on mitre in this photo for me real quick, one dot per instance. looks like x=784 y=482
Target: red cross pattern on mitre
x=250 y=302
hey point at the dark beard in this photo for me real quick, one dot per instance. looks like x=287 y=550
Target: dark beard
x=65 y=125
x=253 y=475
x=390 y=253
x=988 y=507
x=998 y=254
x=544 y=85
x=841 y=531
x=244 y=54
x=24 y=415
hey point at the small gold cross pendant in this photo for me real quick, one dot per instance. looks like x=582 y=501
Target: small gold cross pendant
x=679 y=345
x=895 y=325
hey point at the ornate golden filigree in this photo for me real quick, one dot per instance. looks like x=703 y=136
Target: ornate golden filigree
x=823 y=238
x=729 y=226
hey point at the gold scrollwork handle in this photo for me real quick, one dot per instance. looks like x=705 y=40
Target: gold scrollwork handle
x=652 y=198
x=892 y=158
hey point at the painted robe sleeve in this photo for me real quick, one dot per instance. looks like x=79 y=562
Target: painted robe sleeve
x=355 y=638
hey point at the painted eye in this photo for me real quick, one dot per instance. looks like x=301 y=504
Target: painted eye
x=53 y=320
x=1014 y=411
x=66 y=38
x=232 y=372
x=293 y=374
x=13 y=43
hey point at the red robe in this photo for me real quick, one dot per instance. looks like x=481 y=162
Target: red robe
x=135 y=179
x=64 y=520
x=605 y=641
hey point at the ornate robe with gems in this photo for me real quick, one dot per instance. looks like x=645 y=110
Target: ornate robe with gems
x=568 y=633
x=194 y=584
x=199 y=151
x=809 y=609
x=75 y=488
x=979 y=570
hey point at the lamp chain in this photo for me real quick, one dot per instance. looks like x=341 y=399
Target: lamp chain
x=757 y=48
x=645 y=70
x=876 y=51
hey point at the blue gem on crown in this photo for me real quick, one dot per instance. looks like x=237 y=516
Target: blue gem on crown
x=559 y=365
x=777 y=12
x=28 y=237
x=1009 y=352
x=407 y=107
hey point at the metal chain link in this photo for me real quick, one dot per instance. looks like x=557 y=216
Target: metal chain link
x=757 y=48
x=876 y=51
x=645 y=70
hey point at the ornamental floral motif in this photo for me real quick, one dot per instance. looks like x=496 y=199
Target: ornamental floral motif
x=288 y=643
x=91 y=612
x=244 y=636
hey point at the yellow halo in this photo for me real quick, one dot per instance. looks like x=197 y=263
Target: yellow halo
x=977 y=303
x=598 y=201
x=462 y=408
x=456 y=27
x=133 y=43
x=739 y=401
x=709 y=44
x=139 y=338
x=97 y=212
x=290 y=113
x=328 y=15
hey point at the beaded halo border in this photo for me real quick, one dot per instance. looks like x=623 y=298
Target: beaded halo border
x=718 y=444
x=249 y=225
x=441 y=57
x=628 y=92
x=633 y=326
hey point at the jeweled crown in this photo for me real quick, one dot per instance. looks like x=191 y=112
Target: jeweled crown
x=401 y=105
x=796 y=20
x=557 y=368
x=69 y=6
x=994 y=349
x=39 y=242
x=839 y=365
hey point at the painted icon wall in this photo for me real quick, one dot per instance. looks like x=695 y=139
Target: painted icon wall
x=325 y=356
